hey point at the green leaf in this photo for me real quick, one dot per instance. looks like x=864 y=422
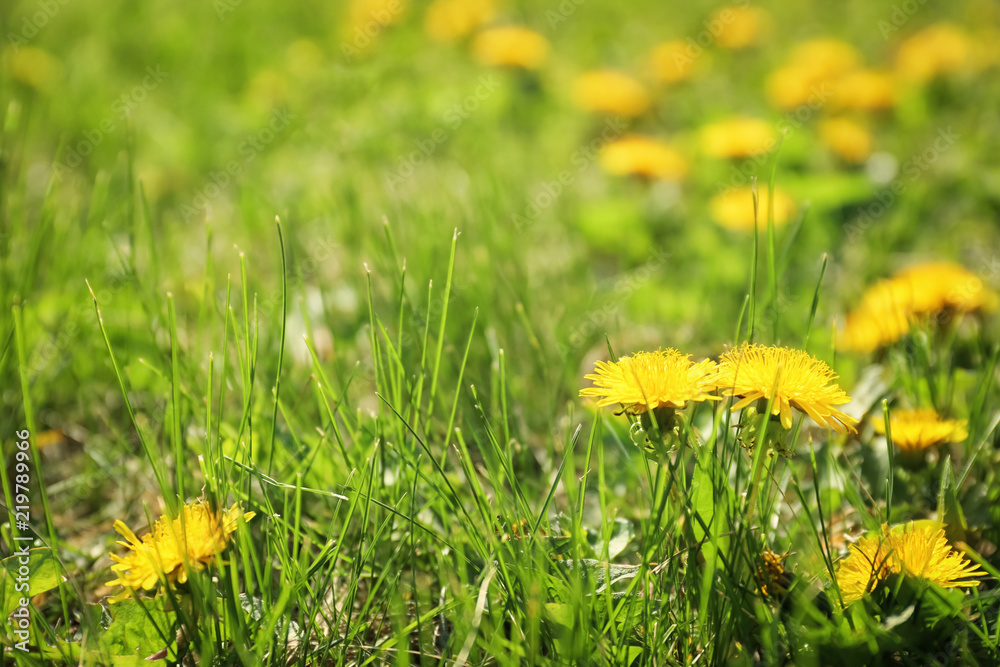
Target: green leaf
x=43 y=574
x=139 y=628
x=622 y=533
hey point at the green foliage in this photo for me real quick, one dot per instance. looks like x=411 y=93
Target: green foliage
x=247 y=258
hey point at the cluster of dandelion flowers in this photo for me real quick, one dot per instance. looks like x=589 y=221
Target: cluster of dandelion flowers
x=510 y=46
x=788 y=379
x=173 y=545
x=611 y=92
x=812 y=66
x=915 y=550
x=914 y=431
x=448 y=20
x=638 y=155
x=890 y=307
x=649 y=380
x=734 y=208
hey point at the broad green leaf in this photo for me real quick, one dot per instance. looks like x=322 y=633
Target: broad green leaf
x=43 y=573
x=139 y=628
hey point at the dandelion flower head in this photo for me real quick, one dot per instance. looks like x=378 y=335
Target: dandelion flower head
x=788 y=379
x=649 y=380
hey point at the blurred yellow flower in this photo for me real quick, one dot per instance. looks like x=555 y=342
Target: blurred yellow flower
x=173 y=545
x=512 y=46
x=739 y=27
x=939 y=49
x=825 y=57
x=786 y=377
x=738 y=137
x=915 y=430
x=609 y=91
x=915 y=550
x=883 y=317
x=649 y=380
x=448 y=20
x=812 y=68
x=936 y=286
x=371 y=15
x=638 y=155
x=733 y=208
x=888 y=308
x=32 y=66
x=849 y=140
x=674 y=61
x=864 y=90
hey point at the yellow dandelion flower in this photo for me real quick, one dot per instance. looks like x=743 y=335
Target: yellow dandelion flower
x=511 y=46
x=939 y=49
x=936 y=286
x=448 y=20
x=639 y=155
x=913 y=431
x=733 y=208
x=672 y=61
x=825 y=57
x=649 y=380
x=740 y=27
x=370 y=16
x=172 y=545
x=738 y=137
x=792 y=86
x=849 y=140
x=915 y=550
x=864 y=90
x=882 y=318
x=786 y=377
x=611 y=92
x=812 y=67
x=889 y=308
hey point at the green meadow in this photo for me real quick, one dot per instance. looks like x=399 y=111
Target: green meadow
x=297 y=301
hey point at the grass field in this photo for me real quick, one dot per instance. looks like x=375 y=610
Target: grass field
x=299 y=301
